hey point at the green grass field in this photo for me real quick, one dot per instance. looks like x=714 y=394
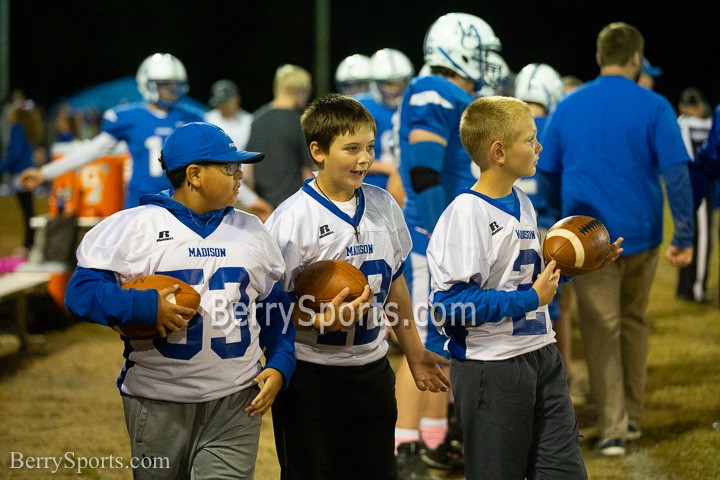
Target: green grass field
x=62 y=398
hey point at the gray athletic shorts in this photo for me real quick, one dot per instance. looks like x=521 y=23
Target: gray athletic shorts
x=207 y=440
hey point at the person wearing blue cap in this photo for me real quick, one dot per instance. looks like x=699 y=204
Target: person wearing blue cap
x=191 y=394
x=648 y=74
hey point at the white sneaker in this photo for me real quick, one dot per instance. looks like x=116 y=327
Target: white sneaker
x=612 y=447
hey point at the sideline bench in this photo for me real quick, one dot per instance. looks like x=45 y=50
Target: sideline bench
x=19 y=285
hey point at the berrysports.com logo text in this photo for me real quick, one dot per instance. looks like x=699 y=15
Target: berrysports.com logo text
x=70 y=461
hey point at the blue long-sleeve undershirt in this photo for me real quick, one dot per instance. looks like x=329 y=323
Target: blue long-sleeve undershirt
x=96 y=296
x=466 y=304
x=277 y=332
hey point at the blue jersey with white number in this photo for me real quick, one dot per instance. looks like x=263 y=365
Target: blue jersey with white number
x=228 y=257
x=308 y=228
x=145 y=132
x=483 y=259
x=435 y=104
x=384 y=137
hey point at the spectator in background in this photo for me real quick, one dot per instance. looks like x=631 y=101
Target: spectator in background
x=24 y=150
x=353 y=75
x=276 y=132
x=162 y=80
x=705 y=170
x=66 y=124
x=226 y=113
x=225 y=102
x=17 y=95
x=649 y=74
x=570 y=83
x=606 y=147
x=695 y=122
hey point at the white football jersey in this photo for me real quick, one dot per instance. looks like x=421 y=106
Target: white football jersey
x=694 y=131
x=232 y=267
x=308 y=227
x=480 y=242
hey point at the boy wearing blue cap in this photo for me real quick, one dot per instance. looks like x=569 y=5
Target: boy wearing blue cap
x=191 y=396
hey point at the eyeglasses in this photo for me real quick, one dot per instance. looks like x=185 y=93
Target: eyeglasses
x=231 y=168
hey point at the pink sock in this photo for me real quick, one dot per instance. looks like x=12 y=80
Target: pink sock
x=433 y=431
x=405 y=435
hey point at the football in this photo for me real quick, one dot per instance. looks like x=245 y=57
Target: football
x=321 y=281
x=578 y=244
x=185 y=295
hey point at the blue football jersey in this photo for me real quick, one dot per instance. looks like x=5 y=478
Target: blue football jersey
x=145 y=133
x=434 y=104
x=384 y=137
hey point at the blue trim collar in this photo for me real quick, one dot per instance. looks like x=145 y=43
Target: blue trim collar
x=495 y=203
x=352 y=221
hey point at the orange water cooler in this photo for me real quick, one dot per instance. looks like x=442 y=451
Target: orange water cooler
x=95 y=191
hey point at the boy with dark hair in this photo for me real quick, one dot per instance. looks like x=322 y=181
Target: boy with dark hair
x=338 y=418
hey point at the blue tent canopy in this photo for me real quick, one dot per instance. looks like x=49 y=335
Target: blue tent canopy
x=115 y=92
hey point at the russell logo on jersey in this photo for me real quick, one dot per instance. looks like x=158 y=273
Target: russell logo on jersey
x=325 y=231
x=164 y=236
x=494 y=228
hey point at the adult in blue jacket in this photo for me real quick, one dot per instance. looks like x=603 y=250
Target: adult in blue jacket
x=606 y=147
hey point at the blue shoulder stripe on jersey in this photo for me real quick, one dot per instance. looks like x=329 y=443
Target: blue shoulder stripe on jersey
x=354 y=221
x=497 y=203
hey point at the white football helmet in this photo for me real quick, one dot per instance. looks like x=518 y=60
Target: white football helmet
x=161 y=68
x=539 y=83
x=353 y=75
x=461 y=42
x=391 y=72
x=502 y=74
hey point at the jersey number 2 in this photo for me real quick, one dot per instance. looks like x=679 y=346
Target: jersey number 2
x=521 y=324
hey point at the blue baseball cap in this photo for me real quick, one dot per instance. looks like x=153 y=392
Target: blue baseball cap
x=649 y=69
x=198 y=141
